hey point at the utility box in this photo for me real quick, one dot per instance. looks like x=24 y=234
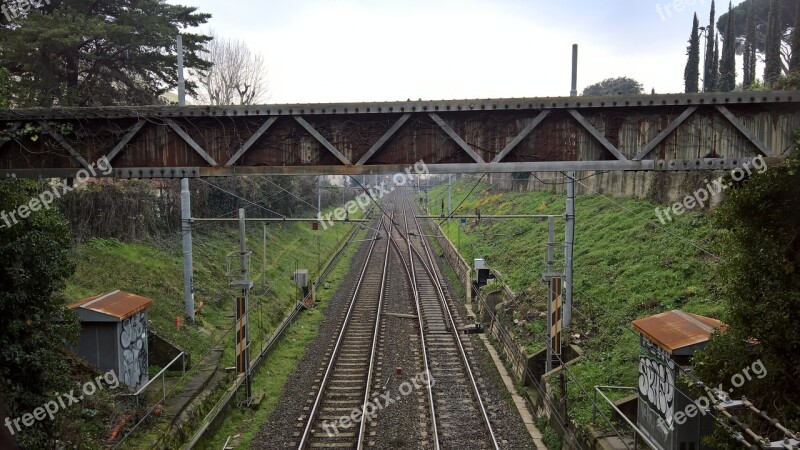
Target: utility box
x=114 y=334
x=482 y=272
x=300 y=278
x=667 y=340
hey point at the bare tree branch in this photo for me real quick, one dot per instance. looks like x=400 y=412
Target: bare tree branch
x=237 y=77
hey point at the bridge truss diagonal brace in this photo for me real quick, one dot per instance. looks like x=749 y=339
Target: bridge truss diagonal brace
x=454 y=136
x=522 y=135
x=664 y=133
x=60 y=139
x=256 y=136
x=125 y=139
x=596 y=134
x=321 y=139
x=744 y=130
x=188 y=139
x=385 y=138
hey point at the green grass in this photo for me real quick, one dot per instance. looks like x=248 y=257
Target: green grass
x=154 y=270
x=280 y=364
x=627 y=266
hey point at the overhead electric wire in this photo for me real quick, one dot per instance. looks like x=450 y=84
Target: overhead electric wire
x=242 y=198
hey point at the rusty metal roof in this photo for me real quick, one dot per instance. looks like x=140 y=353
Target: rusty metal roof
x=117 y=304
x=676 y=330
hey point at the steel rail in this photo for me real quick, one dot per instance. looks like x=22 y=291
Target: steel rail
x=362 y=430
x=443 y=301
x=421 y=323
x=266 y=349
x=331 y=363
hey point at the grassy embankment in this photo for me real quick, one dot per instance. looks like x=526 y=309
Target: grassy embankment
x=281 y=363
x=627 y=266
x=154 y=270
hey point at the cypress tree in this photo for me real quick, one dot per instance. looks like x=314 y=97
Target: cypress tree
x=727 y=66
x=794 y=63
x=713 y=76
x=750 y=46
x=773 y=68
x=708 y=66
x=691 y=74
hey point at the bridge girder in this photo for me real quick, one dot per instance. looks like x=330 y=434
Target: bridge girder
x=709 y=131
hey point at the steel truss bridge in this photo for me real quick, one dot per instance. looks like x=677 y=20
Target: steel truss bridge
x=674 y=132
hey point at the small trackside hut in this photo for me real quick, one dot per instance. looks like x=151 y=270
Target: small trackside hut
x=114 y=334
x=665 y=413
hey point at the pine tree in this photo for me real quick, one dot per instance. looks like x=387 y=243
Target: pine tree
x=709 y=78
x=750 y=47
x=727 y=66
x=691 y=75
x=87 y=53
x=773 y=68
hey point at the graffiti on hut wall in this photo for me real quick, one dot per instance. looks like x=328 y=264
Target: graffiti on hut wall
x=134 y=350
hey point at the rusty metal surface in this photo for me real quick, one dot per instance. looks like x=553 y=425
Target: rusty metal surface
x=706 y=140
x=118 y=304
x=673 y=330
x=466 y=105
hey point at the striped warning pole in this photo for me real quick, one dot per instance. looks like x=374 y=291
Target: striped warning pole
x=242 y=344
x=556 y=286
x=554 y=317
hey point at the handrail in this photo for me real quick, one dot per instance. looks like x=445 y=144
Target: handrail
x=181 y=355
x=621 y=414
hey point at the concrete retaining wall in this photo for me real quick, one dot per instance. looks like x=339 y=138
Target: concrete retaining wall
x=660 y=187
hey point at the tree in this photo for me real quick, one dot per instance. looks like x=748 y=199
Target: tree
x=727 y=65
x=750 y=45
x=773 y=68
x=759 y=277
x=714 y=80
x=613 y=86
x=237 y=76
x=90 y=53
x=794 y=62
x=761 y=8
x=709 y=74
x=5 y=88
x=36 y=262
x=691 y=74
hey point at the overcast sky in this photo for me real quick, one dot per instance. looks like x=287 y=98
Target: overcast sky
x=360 y=50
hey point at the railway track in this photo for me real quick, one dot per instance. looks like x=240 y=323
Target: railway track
x=344 y=385
x=459 y=416
x=453 y=412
